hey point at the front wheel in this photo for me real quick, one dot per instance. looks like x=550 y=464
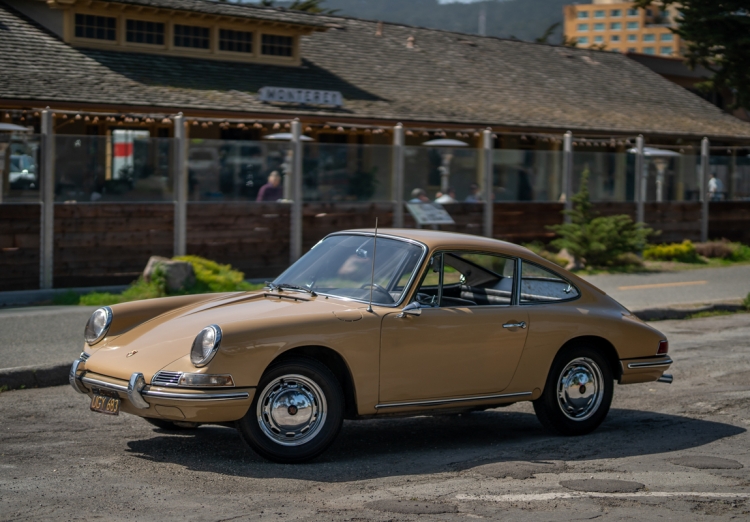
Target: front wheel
x=578 y=392
x=296 y=413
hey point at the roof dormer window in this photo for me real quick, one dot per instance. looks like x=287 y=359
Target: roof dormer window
x=277 y=45
x=235 y=41
x=95 y=27
x=143 y=32
x=193 y=36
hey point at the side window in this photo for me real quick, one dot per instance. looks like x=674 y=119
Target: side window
x=467 y=279
x=539 y=285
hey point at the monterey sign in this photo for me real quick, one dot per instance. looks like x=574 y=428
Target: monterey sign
x=301 y=96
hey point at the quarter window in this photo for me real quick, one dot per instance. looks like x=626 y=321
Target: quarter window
x=277 y=45
x=632 y=12
x=140 y=31
x=539 y=285
x=632 y=38
x=191 y=36
x=615 y=38
x=649 y=37
x=95 y=27
x=235 y=41
x=598 y=39
x=649 y=50
x=583 y=40
x=667 y=51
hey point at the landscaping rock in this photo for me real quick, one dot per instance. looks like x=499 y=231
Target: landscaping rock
x=178 y=274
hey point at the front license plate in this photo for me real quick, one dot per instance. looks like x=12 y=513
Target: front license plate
x=103 y=404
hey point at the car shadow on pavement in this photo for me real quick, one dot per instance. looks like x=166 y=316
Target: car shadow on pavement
x=420 y=445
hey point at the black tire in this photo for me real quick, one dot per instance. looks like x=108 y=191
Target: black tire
x=569 y=406
x=305 y=383
x=169 y=425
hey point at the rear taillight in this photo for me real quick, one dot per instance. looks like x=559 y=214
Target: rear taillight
x=663 y=348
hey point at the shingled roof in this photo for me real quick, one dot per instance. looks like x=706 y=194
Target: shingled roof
x=446 y=78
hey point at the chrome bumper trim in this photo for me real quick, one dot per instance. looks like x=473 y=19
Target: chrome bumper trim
x=73 y=378
x=436 y=402
x=650 y=364
x=147 y=391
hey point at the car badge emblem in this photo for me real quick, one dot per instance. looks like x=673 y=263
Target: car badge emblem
x=131 y=354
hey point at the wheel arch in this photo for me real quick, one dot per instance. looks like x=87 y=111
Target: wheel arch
x=606 y=347
x=334 y=362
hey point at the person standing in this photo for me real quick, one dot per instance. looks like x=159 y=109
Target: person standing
x=271 y=191
x=715 y=188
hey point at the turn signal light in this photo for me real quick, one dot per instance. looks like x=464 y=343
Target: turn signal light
x=663 y=348
x=202 y=379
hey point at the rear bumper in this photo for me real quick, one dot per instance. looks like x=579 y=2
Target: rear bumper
x=647 y=369
x=181 y=404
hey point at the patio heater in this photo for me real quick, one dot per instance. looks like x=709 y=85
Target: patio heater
x=286 y=167
x=446 y=146
x=660 y=158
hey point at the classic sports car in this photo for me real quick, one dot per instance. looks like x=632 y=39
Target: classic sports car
x=403 y=323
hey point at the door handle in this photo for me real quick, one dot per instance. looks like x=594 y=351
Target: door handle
x=522 y=324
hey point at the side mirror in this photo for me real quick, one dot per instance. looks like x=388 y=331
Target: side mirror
x=414 y=309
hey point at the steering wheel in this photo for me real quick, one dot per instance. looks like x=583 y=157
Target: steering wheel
x=379 y=289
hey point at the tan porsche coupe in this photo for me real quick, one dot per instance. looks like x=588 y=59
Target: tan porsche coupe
x=403 y=323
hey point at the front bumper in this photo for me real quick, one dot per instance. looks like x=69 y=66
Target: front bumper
x=181 y=404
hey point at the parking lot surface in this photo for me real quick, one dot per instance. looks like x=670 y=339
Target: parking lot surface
x=666 y=452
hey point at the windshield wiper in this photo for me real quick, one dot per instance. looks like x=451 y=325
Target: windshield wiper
x=282 y=286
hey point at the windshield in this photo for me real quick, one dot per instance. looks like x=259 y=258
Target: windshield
x=341 y=265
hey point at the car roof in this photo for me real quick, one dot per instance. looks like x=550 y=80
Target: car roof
x=438 y=238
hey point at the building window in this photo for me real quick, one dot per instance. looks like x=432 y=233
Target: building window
x=139 y=31
x=598 y=39
x=648 y=50
x=583 y=14
x=599 y=14
x=632 y=12
x=649 y=12
x=276 y=45
x=598 y=27
x=583 y=40
x=614 y=38
x=235 y=41
x=95 y=27
x=583 y=27
x=649 y=37
x=615 y=12
x=667 y=37
x=666 y=51
x=631 y=49
x=632 y=38
x=615 y=26
x=632 y=25
x=191 y=36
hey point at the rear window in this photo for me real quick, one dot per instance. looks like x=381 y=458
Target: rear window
x=539 y=285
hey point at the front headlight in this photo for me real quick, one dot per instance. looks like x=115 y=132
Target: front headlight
x=206 y=345
x=98 y=325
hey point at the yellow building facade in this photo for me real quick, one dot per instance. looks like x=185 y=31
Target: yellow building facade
x=621 y=27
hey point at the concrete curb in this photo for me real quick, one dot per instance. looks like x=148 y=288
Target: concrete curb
x=40 y=376
x=682 y=312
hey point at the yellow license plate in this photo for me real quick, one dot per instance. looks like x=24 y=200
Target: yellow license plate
x=103 y=404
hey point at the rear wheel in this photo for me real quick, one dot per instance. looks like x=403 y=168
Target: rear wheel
x=296 y=413
x=578 y=392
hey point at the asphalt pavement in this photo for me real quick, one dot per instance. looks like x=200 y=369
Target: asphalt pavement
x=665 y=452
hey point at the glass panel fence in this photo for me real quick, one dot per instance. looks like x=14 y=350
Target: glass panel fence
x=228 y=170
x=128 y=165
x=527 y=175
x=343 y=172
x=442 y=171
x=19 y=167
x=729 y=177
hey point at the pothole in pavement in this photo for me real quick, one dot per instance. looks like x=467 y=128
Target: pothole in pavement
x=603 y=485
x=704 y=462
x=519 y=470
x=411 y=507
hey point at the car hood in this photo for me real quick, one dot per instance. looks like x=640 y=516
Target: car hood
x=156 y=343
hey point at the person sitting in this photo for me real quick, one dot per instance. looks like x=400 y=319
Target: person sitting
x=448 y=197
x=271 y=191
x=418 y=195
x=474 y=195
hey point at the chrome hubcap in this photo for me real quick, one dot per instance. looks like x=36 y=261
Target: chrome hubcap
x=291 y=410
x=580 y=389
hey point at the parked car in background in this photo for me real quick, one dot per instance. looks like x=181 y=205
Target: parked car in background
x=408 y=322
x=22 y=174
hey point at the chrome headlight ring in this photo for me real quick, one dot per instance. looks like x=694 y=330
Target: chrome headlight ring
x=205 y=345
x=98 y=325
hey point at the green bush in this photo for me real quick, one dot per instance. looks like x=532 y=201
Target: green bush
x=210 y=276
x=740 y=252
x=598 y=241
x=683 y=252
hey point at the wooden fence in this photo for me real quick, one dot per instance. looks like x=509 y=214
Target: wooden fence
x=110 y=243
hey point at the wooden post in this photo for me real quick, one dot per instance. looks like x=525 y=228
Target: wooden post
x=567 y=181
x=180 y=186
x=47 y=224
x=295 y=239
x=704 y=189
x=488 y=181
x=397 y=176
x=640 y=180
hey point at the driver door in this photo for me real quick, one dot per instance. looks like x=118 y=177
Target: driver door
x=464 y=343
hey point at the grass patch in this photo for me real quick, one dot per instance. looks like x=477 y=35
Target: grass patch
x=714 y=313
x=210 y=277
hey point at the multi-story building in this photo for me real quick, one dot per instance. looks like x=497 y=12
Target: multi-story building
x=619 y=26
